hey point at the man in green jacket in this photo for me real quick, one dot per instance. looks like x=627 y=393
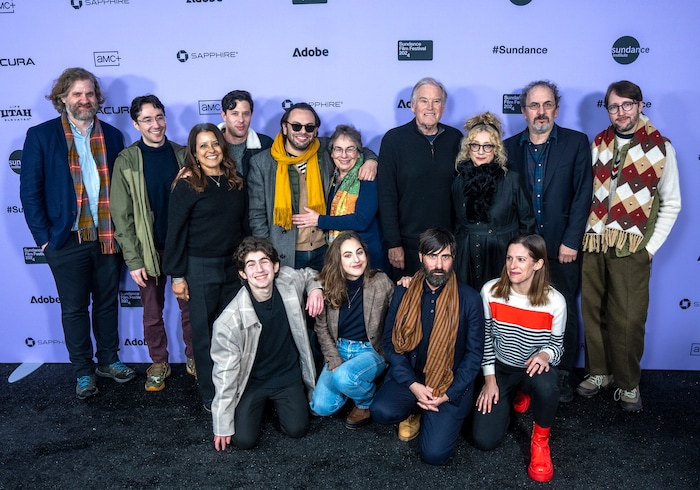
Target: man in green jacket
x=141 y=182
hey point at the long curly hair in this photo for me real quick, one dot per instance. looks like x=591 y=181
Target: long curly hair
x=195 y=177
x=332 y=276
x=490 y=123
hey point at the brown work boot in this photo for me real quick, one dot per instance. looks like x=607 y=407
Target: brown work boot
x=358 y=417
x=593 y=383
x=410 y=428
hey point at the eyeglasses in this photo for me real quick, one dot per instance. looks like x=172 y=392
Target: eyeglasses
x=626 y=106
x=149 y=120
x=535 y=106
x=475 y=147
x=350 y=150
x=309 y=128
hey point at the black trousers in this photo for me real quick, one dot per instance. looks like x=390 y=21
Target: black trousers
x=83 y=273
x=566 y=278
x=489 y=429
x=292 y=408
x=212 y=282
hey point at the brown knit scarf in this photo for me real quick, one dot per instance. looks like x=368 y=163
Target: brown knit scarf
x=408 y=331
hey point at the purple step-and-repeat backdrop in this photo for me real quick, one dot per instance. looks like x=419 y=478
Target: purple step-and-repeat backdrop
x=356 y=62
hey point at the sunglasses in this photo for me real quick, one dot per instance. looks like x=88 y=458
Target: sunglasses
x=309 y=128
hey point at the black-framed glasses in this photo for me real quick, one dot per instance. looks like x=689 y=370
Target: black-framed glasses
x=150 y=120
x=475 y=147
x=626 y=106
x=535 y=106
x=309 y=128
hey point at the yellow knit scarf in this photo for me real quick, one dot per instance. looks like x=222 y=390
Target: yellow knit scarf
x=282 y=212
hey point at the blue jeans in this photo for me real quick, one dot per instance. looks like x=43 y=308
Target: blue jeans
x=354 y=378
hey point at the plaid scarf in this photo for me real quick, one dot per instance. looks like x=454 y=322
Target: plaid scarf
x=625 y=221
x=345 y=198
x=86 y=223
x=408 y=331
x=282 y=211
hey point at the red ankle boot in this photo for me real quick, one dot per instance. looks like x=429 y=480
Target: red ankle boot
x=541 y=467
x=521 y=402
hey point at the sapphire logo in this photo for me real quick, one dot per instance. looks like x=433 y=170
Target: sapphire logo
x=7 y=8
x=685 y=303
x=520 y=3
x=209 y=107
x=626 y=50
x=29 y=342
x=106 y=58
x=183 y=55
x=286 y=104
x=16 y=161
x=76 y=4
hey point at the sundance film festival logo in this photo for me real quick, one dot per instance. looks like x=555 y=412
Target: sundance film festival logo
x=209 y=107
x=626 y=50
x=182 y=55
x=106 y=58
x=415 y=50
x=130 y=299
x=76 y=4
x=511 y=104
x=15 y=113
x=33 y=255
x=16 y=161
x=7 y=8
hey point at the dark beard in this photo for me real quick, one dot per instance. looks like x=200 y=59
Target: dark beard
x=437 y=280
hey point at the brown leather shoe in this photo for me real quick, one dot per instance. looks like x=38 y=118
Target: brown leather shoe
x=410 y=428
x=358 y=417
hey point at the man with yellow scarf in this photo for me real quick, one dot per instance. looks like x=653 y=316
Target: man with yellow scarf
x=292 y=175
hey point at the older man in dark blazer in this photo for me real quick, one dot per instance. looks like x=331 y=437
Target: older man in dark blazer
x=555 y=164
x=64 y=187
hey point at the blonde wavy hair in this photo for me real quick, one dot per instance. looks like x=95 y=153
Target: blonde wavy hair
x=489 y=122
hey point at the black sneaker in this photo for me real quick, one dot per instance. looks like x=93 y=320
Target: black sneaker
x=566 y=392
x=118 y=371
x=86 y=386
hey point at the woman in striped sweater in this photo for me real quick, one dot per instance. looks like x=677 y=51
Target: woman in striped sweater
x=525 y=321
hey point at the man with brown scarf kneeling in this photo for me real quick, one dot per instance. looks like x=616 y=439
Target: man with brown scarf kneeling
x=434 y=342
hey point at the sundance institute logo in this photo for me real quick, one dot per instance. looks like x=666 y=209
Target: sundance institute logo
x=626 y=50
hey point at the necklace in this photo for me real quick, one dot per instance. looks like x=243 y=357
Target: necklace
x=217 y=181
x=354 y=296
